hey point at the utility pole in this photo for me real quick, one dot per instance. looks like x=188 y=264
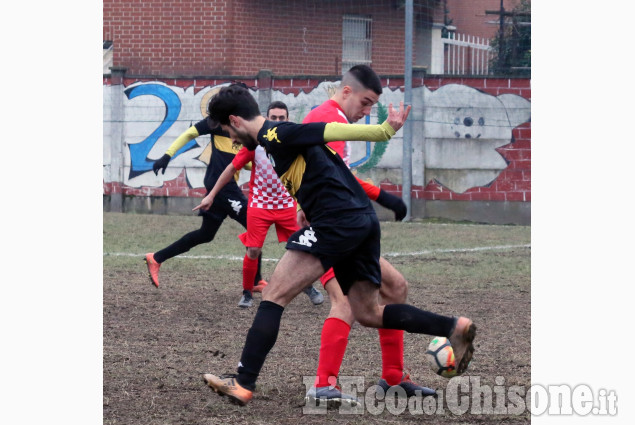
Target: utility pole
x=501 y=33
x=406 y=183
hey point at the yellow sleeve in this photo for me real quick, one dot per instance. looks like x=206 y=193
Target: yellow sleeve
x=335 y=131
x=189 y=134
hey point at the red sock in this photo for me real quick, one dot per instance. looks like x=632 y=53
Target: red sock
x=391 y=341
x=250 y=268
x=332 y=347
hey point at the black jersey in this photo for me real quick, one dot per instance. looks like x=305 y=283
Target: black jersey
x=223 y=152
x=311 y=171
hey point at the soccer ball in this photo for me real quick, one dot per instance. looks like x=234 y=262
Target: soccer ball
x=441 y=357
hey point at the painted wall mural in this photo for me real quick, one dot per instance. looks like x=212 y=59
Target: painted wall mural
x=458 y=132
x=463 y=129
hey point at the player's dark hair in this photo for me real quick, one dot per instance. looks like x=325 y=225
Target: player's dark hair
x=366 y=77
x=277 y=105
x=234 y=99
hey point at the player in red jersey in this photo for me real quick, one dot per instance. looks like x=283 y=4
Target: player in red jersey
x=359 y=90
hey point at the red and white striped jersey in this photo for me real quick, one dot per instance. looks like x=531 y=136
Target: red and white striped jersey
x=265 y=188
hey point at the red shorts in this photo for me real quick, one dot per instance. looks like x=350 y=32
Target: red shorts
x=259 y=220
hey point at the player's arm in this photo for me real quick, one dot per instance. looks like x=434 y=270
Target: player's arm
x=242 y=158
x=226 y=176
x=162 y=163
x=371 y=190
x=385 y=199
x=335 y=131
x=319 y=133
x=373 y=133
x=301 y=218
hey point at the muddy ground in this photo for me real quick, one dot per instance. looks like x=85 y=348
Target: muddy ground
x=158 y=342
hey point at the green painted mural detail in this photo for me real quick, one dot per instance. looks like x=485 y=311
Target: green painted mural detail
x=378 y=148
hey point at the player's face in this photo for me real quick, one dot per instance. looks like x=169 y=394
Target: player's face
x=359 y=103
x=277 y=114
x=240 y=135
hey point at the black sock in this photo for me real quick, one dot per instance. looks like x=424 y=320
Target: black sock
x=413 y=320
x=260 y=340
x=258 y=275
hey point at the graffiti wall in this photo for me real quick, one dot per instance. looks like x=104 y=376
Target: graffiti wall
x=470 y=141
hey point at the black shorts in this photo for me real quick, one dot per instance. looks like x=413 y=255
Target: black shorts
x=230 y=203
x=350 y=244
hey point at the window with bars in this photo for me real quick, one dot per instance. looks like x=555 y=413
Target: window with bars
x=356 y=41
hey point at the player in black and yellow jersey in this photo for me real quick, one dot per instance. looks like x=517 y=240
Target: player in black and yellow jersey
x=230 y=202
x=344 y=234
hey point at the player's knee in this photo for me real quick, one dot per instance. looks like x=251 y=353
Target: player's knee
x=401 y=289
x=253 y=252
x=342 y=311
x=394 y=291
x=368 y=318
x=368 y=314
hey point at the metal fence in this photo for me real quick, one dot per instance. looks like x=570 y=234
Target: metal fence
x=465 y=54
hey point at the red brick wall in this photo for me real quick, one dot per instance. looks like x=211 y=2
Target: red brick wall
x=241 y=37
x=155 y=37
x=290 y=37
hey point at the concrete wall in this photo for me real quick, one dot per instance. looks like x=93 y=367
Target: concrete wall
x=471 y=143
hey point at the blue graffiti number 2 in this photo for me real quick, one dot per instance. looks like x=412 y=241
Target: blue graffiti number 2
x=139 y=161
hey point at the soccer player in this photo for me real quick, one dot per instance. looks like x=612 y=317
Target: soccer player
x=230 y=203
x=269 y=204
x=278 y=111
x=344 y=234
x=359 y=90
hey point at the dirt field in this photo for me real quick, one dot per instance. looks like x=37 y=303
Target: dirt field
x=159 y=342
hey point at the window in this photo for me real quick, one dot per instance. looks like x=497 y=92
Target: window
x=356 y=41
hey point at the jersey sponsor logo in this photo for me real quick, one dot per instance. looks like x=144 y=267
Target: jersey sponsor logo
x=288 y=185
x=307 y=238
x=236 y=205
x=272 y=135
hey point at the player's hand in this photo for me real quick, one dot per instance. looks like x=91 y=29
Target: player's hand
x=161 y=164
x=396 y=119
x=394 y=203
x=302 y=221
x=205 y=203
